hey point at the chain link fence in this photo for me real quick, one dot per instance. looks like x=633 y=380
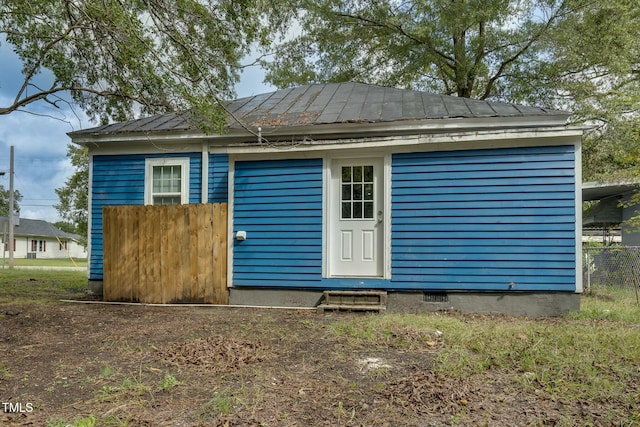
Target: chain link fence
x=617 y=266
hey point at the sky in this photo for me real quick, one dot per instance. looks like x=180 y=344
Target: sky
x=40 y=140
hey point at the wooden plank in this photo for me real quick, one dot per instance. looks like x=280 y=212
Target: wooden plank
x=127 y=276
x=154 y=231
x=168 y=249
x=107 y=257
x=220 y=253
x=143 y=243
x=137 y=234
x=224 y=243
x=189 y=294
x=174 y=286
x=117 y=255
x=165 y=255
x=205 y=249
x=196 y=280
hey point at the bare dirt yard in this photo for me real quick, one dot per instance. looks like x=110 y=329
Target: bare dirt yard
x=125 y=365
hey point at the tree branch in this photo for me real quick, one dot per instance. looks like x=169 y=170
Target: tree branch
x=449 y=60
x=505 y=63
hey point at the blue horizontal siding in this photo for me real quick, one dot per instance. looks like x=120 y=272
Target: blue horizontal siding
x=119 y=180
x=218 y=178
x=279 y=204
x=484 y=219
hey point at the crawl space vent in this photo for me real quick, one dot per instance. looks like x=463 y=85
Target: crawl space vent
x=435 y=297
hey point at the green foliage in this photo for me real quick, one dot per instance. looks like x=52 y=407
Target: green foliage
x=67 y=227
x=89 y=421
x=4 y=200
x=168 y=382
x=106 y=371
x=74 y=196
x=576 y=55
x=121 y=57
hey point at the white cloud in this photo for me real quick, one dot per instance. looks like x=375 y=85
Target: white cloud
x=41 y=165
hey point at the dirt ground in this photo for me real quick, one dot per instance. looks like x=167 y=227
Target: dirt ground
x=221 y=366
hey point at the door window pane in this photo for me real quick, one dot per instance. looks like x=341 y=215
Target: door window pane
x=346 y=174
x=368 y=191
x=356 y=192
x=357 y=174
x=368 y=174
x=368 y=210
x=346 y=210
x=346 y=192
x=357 y=209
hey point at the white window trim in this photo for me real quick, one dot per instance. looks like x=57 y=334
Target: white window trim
x=183 y=162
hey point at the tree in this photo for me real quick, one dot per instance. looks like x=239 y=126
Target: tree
x=4 y=200
x=497 y=49
x=578 y=55
x=74 y=196
x=65 y=226
x=117 y=58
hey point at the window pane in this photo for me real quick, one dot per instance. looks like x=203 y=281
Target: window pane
x=368 y=174
x=368 y=210
x=357 y=209
x=357 y=191
x=166 y=179
x=346 y=191
x=166 y=200
x=346 y=174
x=357 y=174
x=368 y=191
x=346 y=210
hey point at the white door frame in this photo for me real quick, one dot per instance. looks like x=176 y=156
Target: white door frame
x=329 y=203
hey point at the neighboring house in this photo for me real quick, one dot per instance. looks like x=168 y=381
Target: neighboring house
x=34 y=238
x=441 y=201
x=614 y=208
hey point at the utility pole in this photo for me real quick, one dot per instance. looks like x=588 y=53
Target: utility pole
x=11 y=205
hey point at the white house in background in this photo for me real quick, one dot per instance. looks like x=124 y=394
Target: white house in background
x=34 y=238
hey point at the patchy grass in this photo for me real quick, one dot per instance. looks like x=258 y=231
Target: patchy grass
x=48 y=262
x=229 y=366
x=593 y=354
x=36 y=286
x=609 y=303
x=89 y=421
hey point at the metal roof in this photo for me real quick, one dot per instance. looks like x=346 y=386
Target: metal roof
x=37 y=227
x=599 y=190
x=334 y=103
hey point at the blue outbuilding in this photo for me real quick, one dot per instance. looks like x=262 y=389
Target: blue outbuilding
x=442 y=202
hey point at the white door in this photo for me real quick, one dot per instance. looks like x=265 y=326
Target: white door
x=356 y=235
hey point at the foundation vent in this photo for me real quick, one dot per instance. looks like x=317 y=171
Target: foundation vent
x=435 y=297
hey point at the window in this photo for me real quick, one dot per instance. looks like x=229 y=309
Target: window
x=167 y=181
x=356 y=201
x=63 y=245
x=6 y=246
x=38 y=245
